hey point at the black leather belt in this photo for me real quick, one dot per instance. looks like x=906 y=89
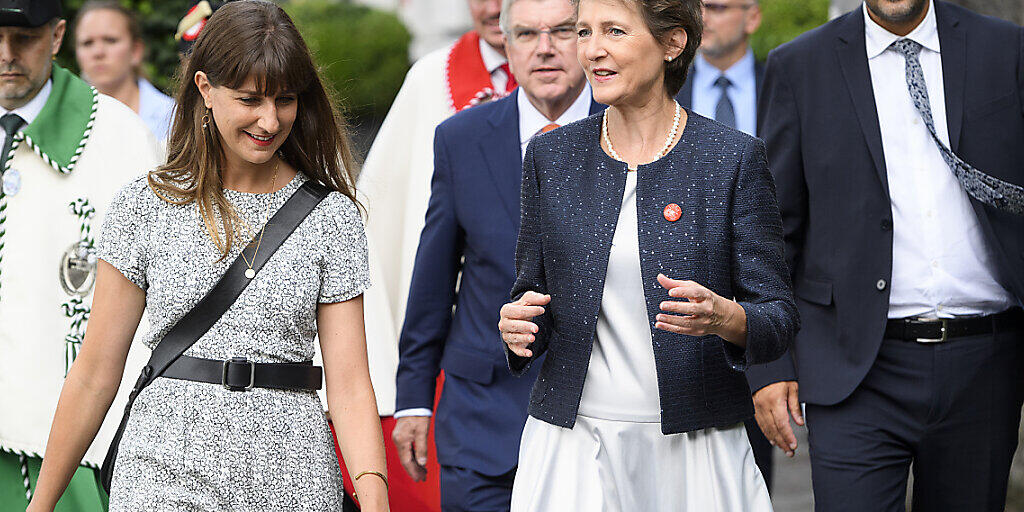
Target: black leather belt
x=942 y=329
x=240 y=374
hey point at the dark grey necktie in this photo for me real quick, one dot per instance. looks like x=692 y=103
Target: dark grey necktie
x=11 y=123
x=987 y=189
x=724 y=112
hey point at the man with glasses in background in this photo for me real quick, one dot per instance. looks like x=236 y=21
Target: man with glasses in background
x=724 y=84
x=472 y=224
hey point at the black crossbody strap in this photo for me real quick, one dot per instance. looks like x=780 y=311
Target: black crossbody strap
x=201 y=318
x=217 y=301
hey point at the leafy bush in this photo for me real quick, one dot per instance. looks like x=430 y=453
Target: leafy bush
x=783 y=20
x=362 y=52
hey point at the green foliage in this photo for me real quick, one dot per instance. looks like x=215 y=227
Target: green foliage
x=783 y=20
x=362 y=52
x=159 y=20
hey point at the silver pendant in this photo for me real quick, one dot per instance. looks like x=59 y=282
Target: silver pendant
x=250 y=273
x=12 y=182
x=77 y=270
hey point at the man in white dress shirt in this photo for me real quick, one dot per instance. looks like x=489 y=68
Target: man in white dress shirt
x=66 y=151
x=895 y=137
x=471 y=228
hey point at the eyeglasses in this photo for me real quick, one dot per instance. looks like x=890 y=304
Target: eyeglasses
x=718 y=8
x=526 y=36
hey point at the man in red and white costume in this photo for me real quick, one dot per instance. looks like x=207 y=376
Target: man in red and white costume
x=394 y=185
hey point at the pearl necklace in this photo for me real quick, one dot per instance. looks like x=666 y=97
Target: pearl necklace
x=664 y=150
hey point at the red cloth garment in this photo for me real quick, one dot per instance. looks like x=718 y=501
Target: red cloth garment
x=404 y=494
x=511 y=84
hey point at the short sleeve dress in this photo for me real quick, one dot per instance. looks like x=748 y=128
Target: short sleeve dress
x=198 y=446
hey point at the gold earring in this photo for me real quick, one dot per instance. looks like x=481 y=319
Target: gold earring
x=206 y=121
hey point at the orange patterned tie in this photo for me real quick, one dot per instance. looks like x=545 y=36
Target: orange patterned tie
x=548 y=128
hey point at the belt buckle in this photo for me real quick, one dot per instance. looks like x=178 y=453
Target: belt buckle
x=945 y=333
x=238 y=360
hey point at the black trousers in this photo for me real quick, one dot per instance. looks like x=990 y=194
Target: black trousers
x=762 y=450
x=952 y=409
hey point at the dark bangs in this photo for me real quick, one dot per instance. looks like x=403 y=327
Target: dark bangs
x=265 y=47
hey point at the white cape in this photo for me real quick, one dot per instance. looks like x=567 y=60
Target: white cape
x=40 y=227
x=394 y=185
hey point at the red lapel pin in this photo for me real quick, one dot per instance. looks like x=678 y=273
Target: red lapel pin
x=673 y=212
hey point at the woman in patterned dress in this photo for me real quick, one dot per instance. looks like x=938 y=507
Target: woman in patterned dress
x=253 y=123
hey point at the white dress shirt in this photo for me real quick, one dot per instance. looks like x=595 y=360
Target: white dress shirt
x=742 y=93
x=30 y=110
x=531 y=121
x=942 y=266
x=493 y=59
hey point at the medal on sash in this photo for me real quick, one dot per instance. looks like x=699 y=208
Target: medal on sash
x=77 y=275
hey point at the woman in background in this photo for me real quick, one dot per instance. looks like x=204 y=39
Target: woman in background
x=109 y=50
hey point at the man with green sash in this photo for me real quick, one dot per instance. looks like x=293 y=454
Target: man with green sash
x=66 y=151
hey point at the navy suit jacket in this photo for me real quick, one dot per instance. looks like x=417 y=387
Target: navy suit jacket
x=451 y=323
x=818 y=117
x=685 y=95
x=729 y=239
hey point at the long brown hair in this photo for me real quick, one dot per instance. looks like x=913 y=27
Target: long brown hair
x=250 y=39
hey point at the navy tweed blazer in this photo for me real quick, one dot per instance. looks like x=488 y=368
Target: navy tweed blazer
x=729 y=239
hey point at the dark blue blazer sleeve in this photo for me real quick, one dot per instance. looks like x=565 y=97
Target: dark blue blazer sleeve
x=530 y=261
x=779 y=125
x=428 y=315
x=760 y=277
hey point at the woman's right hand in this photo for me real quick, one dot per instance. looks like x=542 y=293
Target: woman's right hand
x=517 y=331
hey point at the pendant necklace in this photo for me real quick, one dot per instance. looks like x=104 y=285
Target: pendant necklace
x=250 y=273
x=664 y=149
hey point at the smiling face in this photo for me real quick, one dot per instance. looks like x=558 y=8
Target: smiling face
x=25 y=61
x=623 y=61
x=252 y=126
x=543 y=63
x=105 y=50
x=485 y=21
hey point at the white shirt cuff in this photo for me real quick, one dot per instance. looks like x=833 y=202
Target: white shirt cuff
x=418 y=411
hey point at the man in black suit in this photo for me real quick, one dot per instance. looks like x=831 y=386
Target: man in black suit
x=896 y=138
x=724 y=84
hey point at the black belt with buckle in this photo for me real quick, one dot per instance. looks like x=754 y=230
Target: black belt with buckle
x=240 y=374
x=937 y=330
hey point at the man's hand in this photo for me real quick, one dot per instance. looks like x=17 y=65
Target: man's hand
x=773 y=405
x=410 y=437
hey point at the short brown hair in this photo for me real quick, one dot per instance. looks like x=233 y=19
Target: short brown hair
x=663 y=16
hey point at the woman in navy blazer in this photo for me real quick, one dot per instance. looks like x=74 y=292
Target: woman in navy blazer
x=650 y=270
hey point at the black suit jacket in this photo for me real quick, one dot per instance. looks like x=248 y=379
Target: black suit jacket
x=818 y=117
x=729 y=240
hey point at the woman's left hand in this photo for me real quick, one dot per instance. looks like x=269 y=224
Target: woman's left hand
x=705 y=312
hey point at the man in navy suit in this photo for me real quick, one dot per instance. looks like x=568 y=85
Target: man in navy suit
x=724 y=84
x=895 y=135
x=471 y=228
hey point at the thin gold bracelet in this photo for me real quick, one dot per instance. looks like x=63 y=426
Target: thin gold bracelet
x=378 y=473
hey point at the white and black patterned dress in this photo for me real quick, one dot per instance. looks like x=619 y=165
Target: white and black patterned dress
x=196 y=446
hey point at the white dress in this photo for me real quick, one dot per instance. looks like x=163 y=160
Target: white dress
x=615 y=458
